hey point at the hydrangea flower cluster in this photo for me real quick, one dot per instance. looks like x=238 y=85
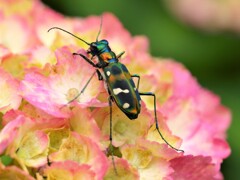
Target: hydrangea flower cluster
x=46 y=137
x=208 y=14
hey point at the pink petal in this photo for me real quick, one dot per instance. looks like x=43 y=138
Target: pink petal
x=4 y=52
x=82 y=123
x=9 y=132
x=213 y=112
x=37 y=90
x=157 y=169
x=33 y=148
x=124 y=170
x=20 y=43
x=82 y=150
x=166 y=132
x=40 y=57
x=10 y=97
x=193 y=167
x=150 y=158
x=13 y=172
x=69 y=170
x=159 y=150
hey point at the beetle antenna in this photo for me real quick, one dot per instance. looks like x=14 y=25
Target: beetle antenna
x=70 y=34
x=99 y=29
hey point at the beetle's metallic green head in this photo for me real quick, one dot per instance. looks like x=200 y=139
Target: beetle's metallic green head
x=98 y=47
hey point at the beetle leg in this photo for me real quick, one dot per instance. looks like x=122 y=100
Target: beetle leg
x=120 y=55
x=101 y=64
x=100 y=77
x=156 y=121
x=110 y=136
x=86 y=59
x=138 y=81
x=48 y=161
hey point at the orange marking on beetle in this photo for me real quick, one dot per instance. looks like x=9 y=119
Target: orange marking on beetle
x=112 y=79
x=106 y=56
x=133 y=111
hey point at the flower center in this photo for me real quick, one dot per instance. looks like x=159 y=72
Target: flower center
x=72 y=94
x=71 y=149
x=120 y=127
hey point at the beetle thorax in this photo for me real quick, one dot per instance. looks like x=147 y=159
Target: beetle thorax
x=108 y=57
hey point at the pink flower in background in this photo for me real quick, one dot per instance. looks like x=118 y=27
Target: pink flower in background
x=208 y=14
x=10 y=29
x=46 y=136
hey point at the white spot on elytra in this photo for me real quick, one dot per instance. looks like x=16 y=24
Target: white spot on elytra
x=116 y=91
x=126 y=105
x=135 y=88
x=108 y=73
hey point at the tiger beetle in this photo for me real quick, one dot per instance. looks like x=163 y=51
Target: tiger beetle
x=119 y=82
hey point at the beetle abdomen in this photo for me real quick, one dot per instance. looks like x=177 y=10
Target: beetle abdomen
x=123 y=90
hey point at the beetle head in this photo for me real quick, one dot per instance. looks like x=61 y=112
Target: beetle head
x=98 y=47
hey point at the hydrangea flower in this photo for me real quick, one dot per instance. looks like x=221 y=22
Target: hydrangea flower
x=209 y=15
x=47 y=135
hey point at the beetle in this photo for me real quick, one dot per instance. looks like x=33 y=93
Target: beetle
x=120 y=85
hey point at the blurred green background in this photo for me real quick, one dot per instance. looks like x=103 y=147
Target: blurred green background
x=214 y=58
